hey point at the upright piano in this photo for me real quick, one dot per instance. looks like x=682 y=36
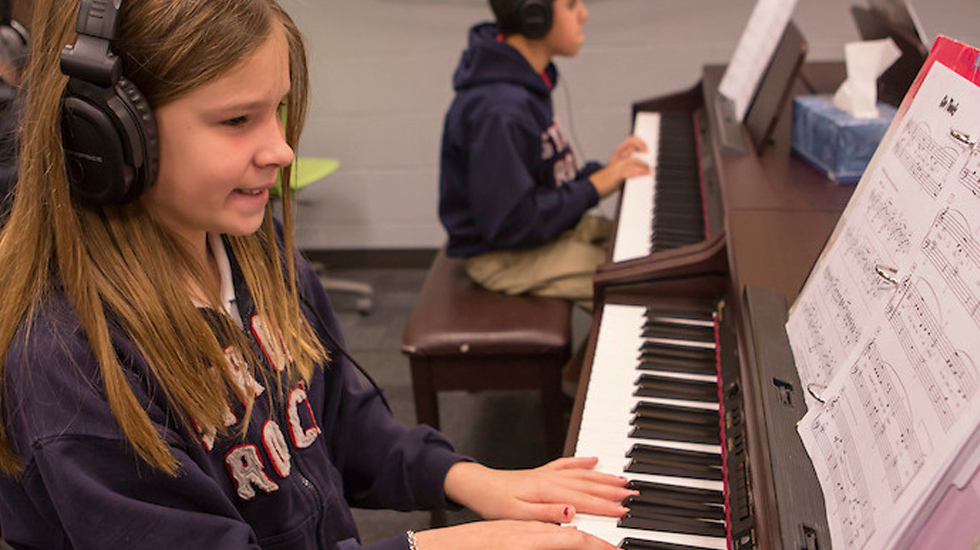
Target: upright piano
x=689 y=388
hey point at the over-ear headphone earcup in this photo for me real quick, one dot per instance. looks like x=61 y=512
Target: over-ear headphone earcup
x=535 y=17
x=14 y=44
x=110 y=142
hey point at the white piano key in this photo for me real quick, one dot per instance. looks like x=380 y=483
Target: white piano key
x=634 y=230
x=604 y=430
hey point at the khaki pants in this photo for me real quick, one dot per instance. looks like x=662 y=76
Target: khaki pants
x=563 y=268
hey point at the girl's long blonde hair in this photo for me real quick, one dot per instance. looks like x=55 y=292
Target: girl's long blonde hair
x=116 y=264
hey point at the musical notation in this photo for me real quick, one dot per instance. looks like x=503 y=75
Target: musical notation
x=886 y=406
x=969 y=175
x=948 y=379
x=831 y=322
x=927 y=161
x=850 y=495
x=951 y=248
x=888 y=220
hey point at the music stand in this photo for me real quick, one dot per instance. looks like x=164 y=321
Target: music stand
x=768 y=101
x=774 y=90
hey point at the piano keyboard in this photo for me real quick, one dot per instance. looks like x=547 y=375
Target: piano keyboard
x=664 y=208
x=659 y=372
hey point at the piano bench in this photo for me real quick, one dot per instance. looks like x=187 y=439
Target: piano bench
x=461 y=336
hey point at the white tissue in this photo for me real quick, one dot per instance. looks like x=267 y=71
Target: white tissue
x=865 y=62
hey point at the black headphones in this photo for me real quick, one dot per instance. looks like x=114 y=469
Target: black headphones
x=14 y=39
x=107 y=128
x=531 y=18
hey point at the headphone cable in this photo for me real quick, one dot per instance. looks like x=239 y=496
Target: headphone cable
x=340 y=348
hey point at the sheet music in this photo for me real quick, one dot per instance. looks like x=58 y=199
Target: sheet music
x=886 y=333
x=754 y=51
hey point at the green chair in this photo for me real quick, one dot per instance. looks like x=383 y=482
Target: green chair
x=309 y=170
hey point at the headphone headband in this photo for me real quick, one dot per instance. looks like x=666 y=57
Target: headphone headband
x=98 y=18
x=531 y=18
x=90 y=58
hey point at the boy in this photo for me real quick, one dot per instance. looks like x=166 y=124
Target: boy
x=513 y=198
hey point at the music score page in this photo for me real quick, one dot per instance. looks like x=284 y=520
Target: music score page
x=754 y=51
x=886 y=332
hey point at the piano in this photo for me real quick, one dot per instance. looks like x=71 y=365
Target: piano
x=689 y=388
x=686 y=134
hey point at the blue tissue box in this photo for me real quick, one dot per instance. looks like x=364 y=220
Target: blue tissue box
x=838 y=144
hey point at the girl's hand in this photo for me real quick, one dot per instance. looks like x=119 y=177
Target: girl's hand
x=513 y=535
x=552 y=493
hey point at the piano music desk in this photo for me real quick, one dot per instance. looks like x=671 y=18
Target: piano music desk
x=461 y=336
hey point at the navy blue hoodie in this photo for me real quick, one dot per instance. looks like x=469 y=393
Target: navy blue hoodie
x=288 y=483
x=509 y=179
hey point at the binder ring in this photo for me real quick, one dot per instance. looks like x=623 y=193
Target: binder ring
x=886 y=273
x=814 y=390
x=964 y=138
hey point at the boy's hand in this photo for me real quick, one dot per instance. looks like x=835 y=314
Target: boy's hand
x=626 y=162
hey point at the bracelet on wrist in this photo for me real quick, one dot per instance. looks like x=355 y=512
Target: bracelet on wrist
x=412 y=543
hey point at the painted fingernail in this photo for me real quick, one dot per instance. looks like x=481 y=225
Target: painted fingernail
x=565 y=513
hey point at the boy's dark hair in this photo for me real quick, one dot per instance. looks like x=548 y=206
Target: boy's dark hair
x=511 y=17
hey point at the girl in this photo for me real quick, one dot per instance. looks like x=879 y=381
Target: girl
x=169 y=378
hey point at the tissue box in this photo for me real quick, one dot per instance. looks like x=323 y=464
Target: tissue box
x=837 y=143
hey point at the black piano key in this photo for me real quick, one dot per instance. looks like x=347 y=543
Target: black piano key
x=677 y=365
x=682 y=190
x=659 y=491
x=667 y=225
x=631 y=543
x=680 y=316
x=661 y=461
x=655 y=510
x=674 y=432
x=677 y=213
x=681 y=332
x=675 y=414
x=677 y=209
x=675 y=239
x=694 y=335
x=675 y=502
x=671 y=431
x=651 y=385
x=674 y=524
x=663 y=320
x=670 y=226
x=654 y=453
x=674 y=182
x=675 y=469
x=667 y=349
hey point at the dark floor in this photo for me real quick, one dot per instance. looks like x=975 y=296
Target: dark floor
x=500 y=429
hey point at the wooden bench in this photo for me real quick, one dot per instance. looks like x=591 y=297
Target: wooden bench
x=461 y=336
